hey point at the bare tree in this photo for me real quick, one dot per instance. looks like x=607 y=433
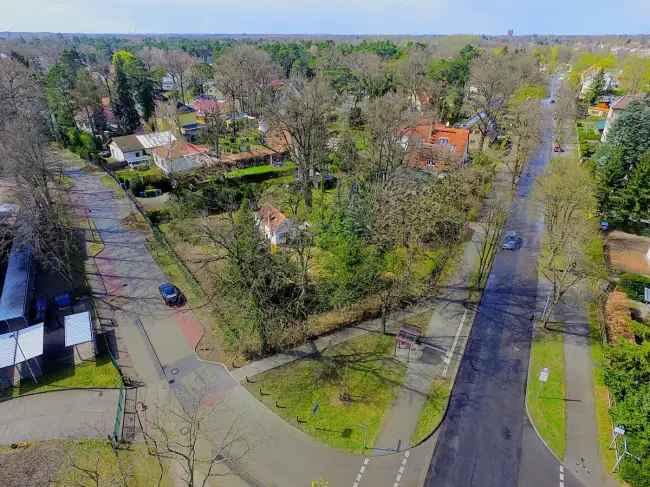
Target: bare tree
x=490 y=85
x=301 y=114
x=565 y=111
x=412 y=76
x=178 y=63
x=491 y=226
x=244 y=74
x=389 y=123
x=522 y=123
x=189 y=440
x=215 y=121
x=567 y=192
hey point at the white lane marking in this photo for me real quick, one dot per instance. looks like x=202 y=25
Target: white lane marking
x=561 y=468
x=407 y=453
x=561 y=476
x=398 y=478
x=404 y=460
x=361 y=472
x=453 y=346
x=401 y=470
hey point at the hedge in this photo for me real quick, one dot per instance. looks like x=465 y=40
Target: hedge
x=257 y=174
x=633 y=285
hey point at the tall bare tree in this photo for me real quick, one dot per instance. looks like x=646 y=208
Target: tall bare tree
x=522 y=123
x=244 y=74
x=178 y=63
x=490 y=86
x=301 y=114
x=186 y=437
x=567 y=191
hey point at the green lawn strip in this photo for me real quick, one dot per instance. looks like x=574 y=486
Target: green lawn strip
x=266 y=168
x=433 y=410
x=109 y=182
x=419 y=320
x=99 y=373
x=546 y=401
x=141 y=468
x=363 y=367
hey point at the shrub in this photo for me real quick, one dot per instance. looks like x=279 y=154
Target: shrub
x=634 y=285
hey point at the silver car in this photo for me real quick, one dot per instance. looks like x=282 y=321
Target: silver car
x=512 y=241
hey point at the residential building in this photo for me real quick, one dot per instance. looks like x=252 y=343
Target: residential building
x=589 y=76
x=615 y=109
x=475 y=135
x=276 y=226
x=600 y=109
x=168 y=83
x=205 y=104
x=181 y=156
x=103 y=119
x=135 y=149
x=436 y=147
x=185 y=120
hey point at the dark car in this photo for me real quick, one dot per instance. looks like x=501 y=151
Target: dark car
x=512 y=241
x=172 y=296
x=557 y=148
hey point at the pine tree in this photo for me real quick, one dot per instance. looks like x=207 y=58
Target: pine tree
x=123 y=103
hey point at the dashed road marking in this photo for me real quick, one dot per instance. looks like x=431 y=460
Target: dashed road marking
x=402 y=468
x=561 y=475
x=362 y=470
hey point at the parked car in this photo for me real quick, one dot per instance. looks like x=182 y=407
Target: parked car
x=172 y=296
x=552 y=100
x=604 y=225
x=557 y=148
x=512 y=241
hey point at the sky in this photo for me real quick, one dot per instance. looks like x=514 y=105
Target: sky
x=328 y=16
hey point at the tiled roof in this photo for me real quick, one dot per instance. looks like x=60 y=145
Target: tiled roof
x=271 y=218
x=623 y=102
x=430 y=141
x=179 y=149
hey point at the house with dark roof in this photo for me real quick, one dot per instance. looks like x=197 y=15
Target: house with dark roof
x=436 y=147
x=135 y=149
x=16 y=297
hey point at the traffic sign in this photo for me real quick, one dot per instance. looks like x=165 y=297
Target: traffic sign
x=543 y=375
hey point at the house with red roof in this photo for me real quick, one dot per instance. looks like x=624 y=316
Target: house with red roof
x=205 y=104
x=436 y=147
x=274 y=224
x=181 y=156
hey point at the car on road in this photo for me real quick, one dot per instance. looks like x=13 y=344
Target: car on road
x=172 y=296
x=552 y=100
x=557 y=148
x=512 y=241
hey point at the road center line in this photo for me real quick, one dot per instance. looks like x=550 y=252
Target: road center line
x=453 y=346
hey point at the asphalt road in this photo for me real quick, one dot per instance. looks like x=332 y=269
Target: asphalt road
x=486 y=439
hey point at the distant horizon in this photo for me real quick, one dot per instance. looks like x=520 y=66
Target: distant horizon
x=334 y=18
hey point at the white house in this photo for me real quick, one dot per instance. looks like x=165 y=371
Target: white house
x=589 y=76
x=276 y=226
x=180 y=157
x=135 y=149
x=167 y=83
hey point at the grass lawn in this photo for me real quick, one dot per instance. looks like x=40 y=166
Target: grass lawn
x=420 y=320
x=140 y=468
x=433 y=410
x=352 y=384
x=151 y=171
x=109 y=182
x=546 y=403
x=99 y=373
x=266 y=168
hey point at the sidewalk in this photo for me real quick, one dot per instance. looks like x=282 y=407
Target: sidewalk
x=447 y=331
x=582 y=451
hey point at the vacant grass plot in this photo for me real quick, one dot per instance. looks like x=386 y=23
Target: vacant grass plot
x=339 y=397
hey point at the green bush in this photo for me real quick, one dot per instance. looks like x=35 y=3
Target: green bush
x=633 y=285
x=158 y=216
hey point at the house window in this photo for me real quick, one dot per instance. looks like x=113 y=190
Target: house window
x=443 y=141
x=137 y=154
x=430 y=163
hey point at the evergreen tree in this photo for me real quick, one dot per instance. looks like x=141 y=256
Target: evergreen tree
x=123 y=103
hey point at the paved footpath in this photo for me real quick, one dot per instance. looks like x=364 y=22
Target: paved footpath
x=582 y=451
x=58 y=414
